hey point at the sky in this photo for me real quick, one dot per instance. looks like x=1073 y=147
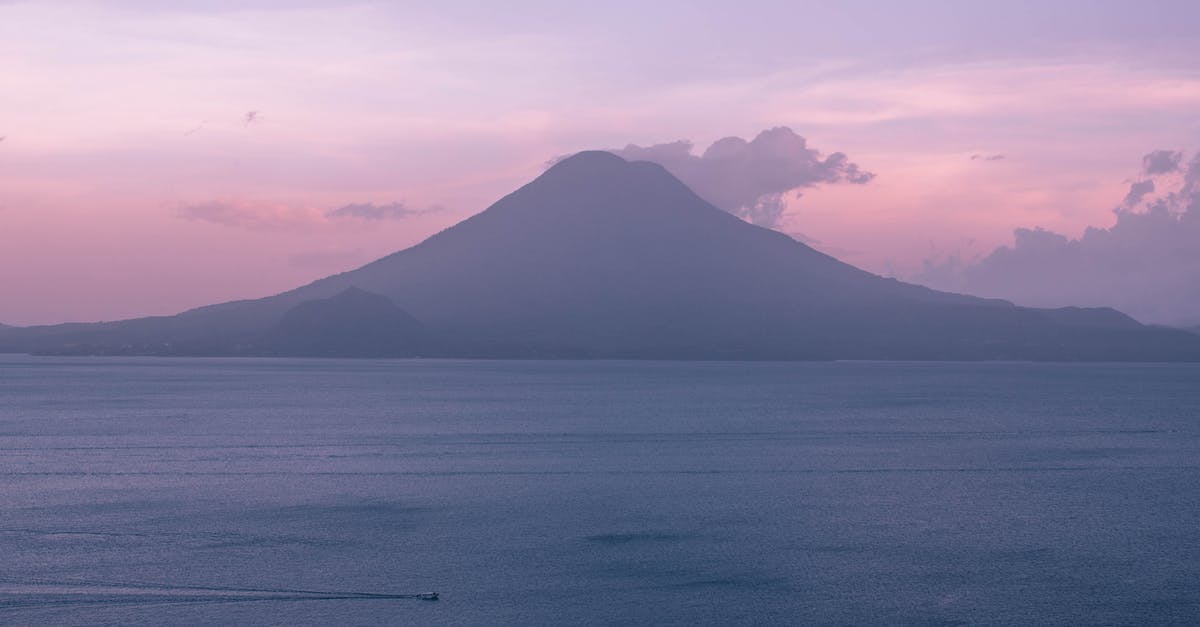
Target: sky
x=160 y=156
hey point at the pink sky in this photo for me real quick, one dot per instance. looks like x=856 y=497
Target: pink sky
x=132 y=184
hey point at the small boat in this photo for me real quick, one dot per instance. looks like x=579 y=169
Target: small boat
x=428 y=596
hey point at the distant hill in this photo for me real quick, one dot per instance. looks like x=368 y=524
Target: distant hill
x=352 y=323
x=600 y=257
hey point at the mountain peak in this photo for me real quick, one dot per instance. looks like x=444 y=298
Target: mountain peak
x=585 y=169
x=589 y=159
x=595 y=180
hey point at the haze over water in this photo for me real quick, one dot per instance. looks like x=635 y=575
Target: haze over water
x=159 y=491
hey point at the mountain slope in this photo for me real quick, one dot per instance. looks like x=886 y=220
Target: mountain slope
x=604 y=256
x=600 y=257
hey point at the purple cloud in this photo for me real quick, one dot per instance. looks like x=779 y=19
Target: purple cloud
x=370 y=211
x=274 y=216
x=749 y=178
x=1161 y=162
x=1147 y=264
x=1137 y=191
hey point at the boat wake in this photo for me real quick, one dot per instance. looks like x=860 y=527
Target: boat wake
x=25 y=593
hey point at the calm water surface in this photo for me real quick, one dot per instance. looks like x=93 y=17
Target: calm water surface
x=210 y=491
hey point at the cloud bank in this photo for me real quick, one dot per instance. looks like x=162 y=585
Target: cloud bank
x=371 y=211
x=749 y=178
x=272 y=216
x=1147 y=264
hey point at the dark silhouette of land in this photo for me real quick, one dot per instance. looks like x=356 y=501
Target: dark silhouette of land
x=352 y=322
x=604 y=258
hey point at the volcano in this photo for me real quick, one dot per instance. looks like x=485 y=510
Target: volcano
x=605 y=258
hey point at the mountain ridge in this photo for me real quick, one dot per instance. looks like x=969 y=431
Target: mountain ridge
x=602 y=257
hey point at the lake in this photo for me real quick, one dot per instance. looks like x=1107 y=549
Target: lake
x=278 y=491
